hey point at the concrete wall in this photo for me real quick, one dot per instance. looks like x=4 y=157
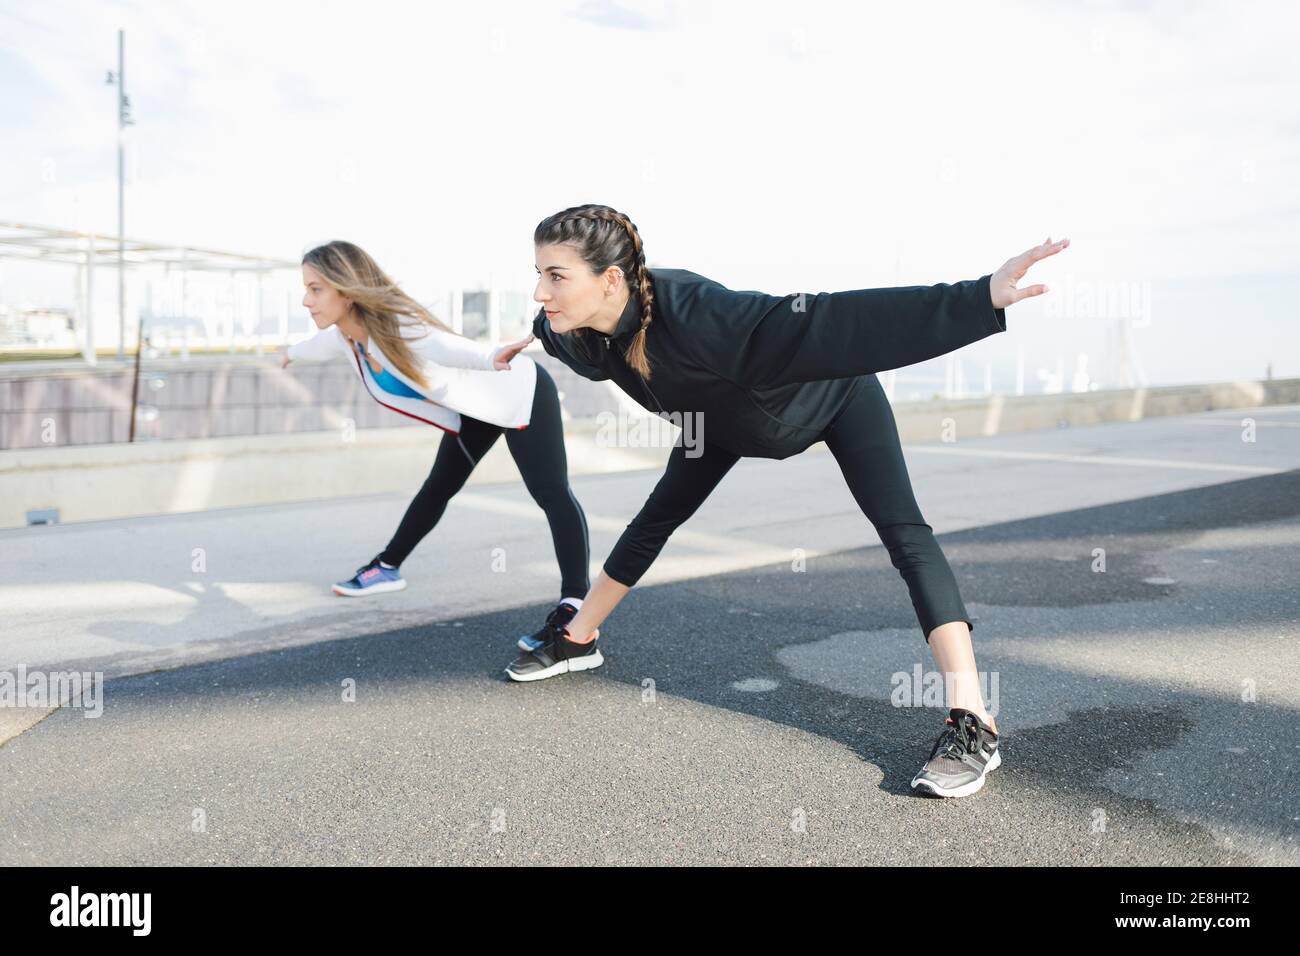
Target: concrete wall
x=90 y=482
x=117 y=480
x=53 y=405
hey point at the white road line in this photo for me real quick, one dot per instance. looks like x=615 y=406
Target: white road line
x=1100 y=460
x=1223 y=422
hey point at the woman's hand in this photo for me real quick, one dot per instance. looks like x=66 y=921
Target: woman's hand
x=1002 y=287
x=284 y=358
x=502 y=360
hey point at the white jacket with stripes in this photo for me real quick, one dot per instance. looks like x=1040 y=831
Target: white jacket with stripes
x=459 y=372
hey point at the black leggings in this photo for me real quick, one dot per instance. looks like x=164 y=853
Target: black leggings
x=538 y=450
x=864 y=440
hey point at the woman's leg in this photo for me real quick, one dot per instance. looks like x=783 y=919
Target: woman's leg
x=539 y=452
x=682 y=489
x=457 y=456
x=955 y=657
x=864 y=441
x=685 y=484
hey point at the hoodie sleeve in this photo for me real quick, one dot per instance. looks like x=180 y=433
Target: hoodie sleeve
x=324 y=345
x=450 y=350
x=569 y=348
x=764 y=341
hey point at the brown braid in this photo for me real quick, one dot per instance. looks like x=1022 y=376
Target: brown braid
x=605 y=237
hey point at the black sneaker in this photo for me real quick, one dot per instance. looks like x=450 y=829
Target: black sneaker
x=558 y=655
x=562 y=616
x=962 y=756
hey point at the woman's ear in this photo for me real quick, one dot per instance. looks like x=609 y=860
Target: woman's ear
x=613 y=280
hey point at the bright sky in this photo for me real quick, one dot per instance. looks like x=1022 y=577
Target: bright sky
x=785 y=147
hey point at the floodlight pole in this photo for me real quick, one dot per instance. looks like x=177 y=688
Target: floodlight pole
x=123 y=121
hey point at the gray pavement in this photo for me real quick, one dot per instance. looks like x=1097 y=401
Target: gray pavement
x=747 y=712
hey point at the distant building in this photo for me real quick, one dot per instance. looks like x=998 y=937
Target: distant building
x=491 y=314
x=54 y=328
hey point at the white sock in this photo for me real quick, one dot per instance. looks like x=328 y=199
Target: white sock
x=384 y=564
x=576 y=602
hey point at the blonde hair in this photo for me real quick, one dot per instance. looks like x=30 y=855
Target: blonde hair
x=379 y=304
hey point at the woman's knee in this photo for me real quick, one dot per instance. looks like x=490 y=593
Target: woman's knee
x=550 y=495
x=440 y=488
x=909 y=543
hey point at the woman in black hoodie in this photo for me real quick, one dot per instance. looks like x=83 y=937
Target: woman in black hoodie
x=775 y=374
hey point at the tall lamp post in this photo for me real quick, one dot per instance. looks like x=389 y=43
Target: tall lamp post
x=123 y=121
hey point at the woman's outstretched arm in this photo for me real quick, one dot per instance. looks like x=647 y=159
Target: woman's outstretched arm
x=323 y=346
x=453 y=351
x=768 y=341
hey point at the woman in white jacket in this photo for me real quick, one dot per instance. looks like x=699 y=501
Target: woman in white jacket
x=415 y=365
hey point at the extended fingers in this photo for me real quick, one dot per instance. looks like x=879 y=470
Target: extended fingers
x=1048 y=248
x=1028 y=292
x=1021 y=263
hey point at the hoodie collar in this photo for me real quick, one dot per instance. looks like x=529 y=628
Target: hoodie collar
x=629 y=323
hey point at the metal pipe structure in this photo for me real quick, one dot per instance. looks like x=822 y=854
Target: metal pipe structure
x=135 y=378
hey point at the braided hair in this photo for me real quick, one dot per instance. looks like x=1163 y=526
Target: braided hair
x=605 y=237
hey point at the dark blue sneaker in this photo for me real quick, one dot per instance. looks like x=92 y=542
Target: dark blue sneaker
x=561 y=617
x=373 y=578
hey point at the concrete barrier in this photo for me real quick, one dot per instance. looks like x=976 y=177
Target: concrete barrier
x=992 y=415
x=89 y=482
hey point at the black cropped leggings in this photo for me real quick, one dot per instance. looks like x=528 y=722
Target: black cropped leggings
x=864 y=441
x=538 y=450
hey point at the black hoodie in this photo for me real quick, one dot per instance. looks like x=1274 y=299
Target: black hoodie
x=770 y=373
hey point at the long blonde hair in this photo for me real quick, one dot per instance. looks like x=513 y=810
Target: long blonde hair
x=380 y=305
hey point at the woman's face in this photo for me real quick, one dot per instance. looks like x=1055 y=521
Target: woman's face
x=571 y=295
x=322 y=300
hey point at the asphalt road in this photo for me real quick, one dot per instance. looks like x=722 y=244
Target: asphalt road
x=1149 y=711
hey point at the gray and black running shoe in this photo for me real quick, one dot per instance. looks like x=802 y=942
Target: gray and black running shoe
x=558 y=655
x=962 y=756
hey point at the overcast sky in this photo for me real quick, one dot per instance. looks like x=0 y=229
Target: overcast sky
x=784 y=147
